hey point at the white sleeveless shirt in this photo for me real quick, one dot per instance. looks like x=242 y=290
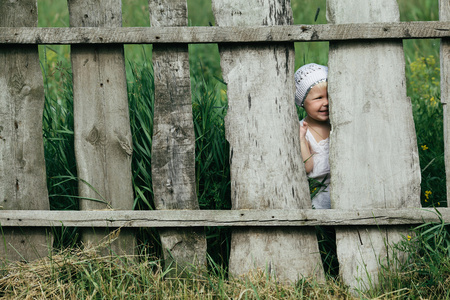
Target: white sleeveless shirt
x=321 y=170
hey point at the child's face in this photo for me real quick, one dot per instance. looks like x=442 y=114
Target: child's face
x=316 y=103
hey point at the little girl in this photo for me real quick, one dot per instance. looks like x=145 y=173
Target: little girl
x=311 y=93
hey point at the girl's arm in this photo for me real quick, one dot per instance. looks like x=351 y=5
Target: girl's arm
x=306 y=151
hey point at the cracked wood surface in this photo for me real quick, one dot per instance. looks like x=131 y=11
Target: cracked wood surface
x=373 y=151
x=444 y=15
x=103 y=144
x=22 y=167
x=230 y=218
x=228 y=34
x=173 y=142
x=262 y=128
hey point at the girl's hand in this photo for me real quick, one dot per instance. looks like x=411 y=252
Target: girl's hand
x=303 y=130
x=307 y=157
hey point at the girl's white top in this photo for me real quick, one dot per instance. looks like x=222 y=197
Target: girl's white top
x=321 y=170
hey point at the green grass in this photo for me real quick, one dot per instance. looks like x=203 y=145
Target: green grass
x=83 y=274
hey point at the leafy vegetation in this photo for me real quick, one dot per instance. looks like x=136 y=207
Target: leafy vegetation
x=424 y=88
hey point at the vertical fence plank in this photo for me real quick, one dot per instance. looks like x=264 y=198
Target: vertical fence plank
x=444 y=15
x=22 y=166
x=373 y=151
x=103 y=146
x=173 y=144
x=262 y=127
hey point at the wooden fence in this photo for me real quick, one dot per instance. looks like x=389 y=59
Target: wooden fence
x=373 y=143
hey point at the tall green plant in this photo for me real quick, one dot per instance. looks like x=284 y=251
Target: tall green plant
x=59 y=146
x=424 y=90
x=212 y=167
x=58 y=132
x=141 y=100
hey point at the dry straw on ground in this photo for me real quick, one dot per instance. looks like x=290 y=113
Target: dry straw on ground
x=84 y=274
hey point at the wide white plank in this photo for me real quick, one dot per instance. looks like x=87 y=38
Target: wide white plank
x=262 y=128
x=373 y=151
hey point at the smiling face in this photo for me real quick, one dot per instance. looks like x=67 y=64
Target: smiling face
x=316 y=103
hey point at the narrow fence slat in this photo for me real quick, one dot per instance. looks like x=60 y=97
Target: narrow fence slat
x=262 y=128
x=216 y=34
x=231 y=218
x=103 y=144
x=22 y=165
x=373 y=152
x=444 y=15
x=173 y=142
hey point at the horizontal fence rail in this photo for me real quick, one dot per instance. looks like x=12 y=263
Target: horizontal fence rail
x=216 y=34
x=226 y=218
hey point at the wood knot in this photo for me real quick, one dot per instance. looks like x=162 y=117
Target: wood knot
x=128 y=150
x=407 y=33
x=25 y=91
x=169 y=186
x=93 y=136
x=18 y=83
x=124 y=143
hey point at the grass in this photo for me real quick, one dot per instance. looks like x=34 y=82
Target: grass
x=82 y=273
x=424 y=272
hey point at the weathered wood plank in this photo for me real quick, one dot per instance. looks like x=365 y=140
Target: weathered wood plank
x=230 y=218
x=444 y=15
x=228 y=34
x=22 y=166
x=262 y=128
x=373 y=129
x=103 y=146
x=173 y=143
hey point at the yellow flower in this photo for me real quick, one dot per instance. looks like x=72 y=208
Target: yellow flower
x=439 y=203
x=431 y=60
x=427 y=195
x=424 y=147
x=408 y=237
